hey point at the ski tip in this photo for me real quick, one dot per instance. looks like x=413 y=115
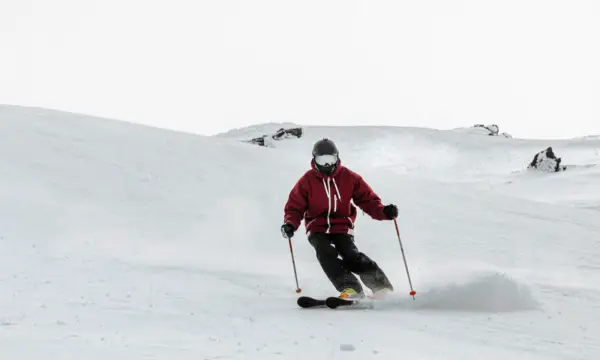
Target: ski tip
x=309 y=302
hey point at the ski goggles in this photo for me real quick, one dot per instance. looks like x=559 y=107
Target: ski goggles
x=326 y=160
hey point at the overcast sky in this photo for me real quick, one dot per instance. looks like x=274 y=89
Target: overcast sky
x=530 y=66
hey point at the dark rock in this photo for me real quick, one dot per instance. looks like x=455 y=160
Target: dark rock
x=260 y=141
x=286 y=133
x=278 y=135
x=546 y=161
x=493 y=129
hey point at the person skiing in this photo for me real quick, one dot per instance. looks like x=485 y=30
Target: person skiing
x=326 y=197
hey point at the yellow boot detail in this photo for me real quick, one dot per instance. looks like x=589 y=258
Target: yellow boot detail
x=348 y=294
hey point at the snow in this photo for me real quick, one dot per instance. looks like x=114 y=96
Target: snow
x=128 y=242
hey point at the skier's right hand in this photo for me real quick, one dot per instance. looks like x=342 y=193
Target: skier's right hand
x=287 y=230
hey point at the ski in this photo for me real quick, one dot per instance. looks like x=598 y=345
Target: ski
x=334 y=302
x=309 y=302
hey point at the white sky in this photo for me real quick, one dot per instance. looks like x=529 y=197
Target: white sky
x=530 y=66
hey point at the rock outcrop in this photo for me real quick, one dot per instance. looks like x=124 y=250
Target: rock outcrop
x=493 y=129
x=278 y=135
x=546 y=161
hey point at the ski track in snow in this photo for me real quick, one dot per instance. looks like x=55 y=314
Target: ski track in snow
x=127 y=242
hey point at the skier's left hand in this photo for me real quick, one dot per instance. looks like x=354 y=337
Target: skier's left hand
x=391 y=211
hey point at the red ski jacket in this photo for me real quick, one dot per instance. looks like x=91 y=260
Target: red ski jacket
x=324 y=202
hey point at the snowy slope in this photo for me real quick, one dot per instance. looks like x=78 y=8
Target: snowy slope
x=464 y=155
x=128 y=242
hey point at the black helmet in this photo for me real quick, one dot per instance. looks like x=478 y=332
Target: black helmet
x=326 y=156
x=324 y=147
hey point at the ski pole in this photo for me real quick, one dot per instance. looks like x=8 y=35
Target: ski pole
x=298 y=290
x=412 y=291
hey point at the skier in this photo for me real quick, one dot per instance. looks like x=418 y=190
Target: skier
x=322 y=197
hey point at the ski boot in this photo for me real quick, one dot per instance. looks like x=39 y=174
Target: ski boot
x=351 y=294
x=348 y=297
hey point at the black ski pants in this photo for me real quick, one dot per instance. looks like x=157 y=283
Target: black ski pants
x=340 y=258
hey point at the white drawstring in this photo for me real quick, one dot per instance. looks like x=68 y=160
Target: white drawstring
x=337 y=190
x=327 y=187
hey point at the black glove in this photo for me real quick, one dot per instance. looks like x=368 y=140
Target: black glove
x=287 y=230
x=391 y=211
